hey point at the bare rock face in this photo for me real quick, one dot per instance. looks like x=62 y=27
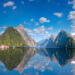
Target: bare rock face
x=49 y=42
x=25 y=36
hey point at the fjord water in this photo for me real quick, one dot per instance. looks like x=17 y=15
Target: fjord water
x=37 y=61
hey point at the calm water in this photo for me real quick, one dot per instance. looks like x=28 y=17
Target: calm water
x=35 y=61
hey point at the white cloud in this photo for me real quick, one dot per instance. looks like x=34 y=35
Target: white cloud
x=72 y=3
x=44 y=20
x=73 y=62
x=50 y=28
x=58 y=14
x=71 y=15
x=33 y=21
x=40 y=32
x=14 y=7
x=9 y=3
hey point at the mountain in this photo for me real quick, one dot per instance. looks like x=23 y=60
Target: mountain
x=48 y=43
x=26 y=37
x=64 y=40
x=11 y=37
x=43 y=43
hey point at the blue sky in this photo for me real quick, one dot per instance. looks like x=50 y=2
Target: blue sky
x=40 y=18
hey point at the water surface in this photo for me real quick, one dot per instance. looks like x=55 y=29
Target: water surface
x=37 y=61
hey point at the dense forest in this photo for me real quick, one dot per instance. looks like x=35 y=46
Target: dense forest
x=11 y=37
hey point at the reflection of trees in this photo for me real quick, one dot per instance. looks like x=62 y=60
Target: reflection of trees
x=62 y=55
x=29 y=54
x=14 y=57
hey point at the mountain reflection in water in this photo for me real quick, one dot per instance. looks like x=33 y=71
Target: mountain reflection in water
x=35 y=61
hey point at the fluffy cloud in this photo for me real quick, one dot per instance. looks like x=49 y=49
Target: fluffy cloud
x=58 y=14
x=33 y=21
x=72 y=3
x=40 y=32
x=14 y=7
x=72 y=17
x=44 y=20
x=9 y=3
x=50 y=28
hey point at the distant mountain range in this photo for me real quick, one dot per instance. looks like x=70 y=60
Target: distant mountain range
x=16 y=37
x=63 y=39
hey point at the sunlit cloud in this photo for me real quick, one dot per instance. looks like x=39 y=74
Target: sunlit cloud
x=9 y=3
x=58 y=14
x=73 y=62
x=71 y=17
x=39 y=32
x=44 y=20
x=72 y=3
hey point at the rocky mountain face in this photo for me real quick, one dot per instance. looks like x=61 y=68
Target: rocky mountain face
x=11 y=37
x=63 y=39
x=25 y=36
x=48 y=42
x=43 y=43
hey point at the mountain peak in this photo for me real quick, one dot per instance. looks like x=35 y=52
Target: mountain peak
x=54 y=36
x=11 y=37
x=62 y=31
x=25 y=36
x=21 y=26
